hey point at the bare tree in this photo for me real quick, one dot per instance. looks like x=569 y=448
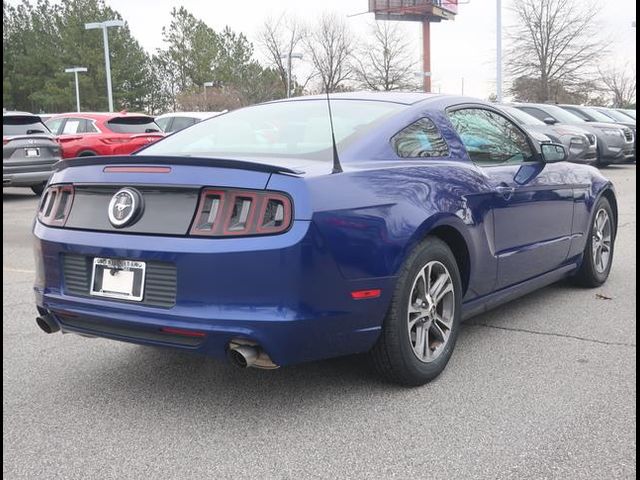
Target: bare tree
x=385 y=63
x=329 y=46
x=280 y=38
x=621 y=84
x=555 y=41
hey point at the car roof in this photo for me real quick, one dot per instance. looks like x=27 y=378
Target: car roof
x=406 y=98
x=100 y=115
x=14 y=113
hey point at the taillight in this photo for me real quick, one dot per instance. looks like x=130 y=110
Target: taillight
x=223 y=213
x=55 y=205
x=115 y=140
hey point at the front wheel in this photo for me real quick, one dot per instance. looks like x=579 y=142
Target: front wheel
x=38 y=189
x=421 y=327
x=598 y=253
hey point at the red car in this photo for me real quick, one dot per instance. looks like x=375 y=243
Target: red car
x=85 y=134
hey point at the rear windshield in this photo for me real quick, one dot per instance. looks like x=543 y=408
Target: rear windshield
x=22 y=125
x=299 y=129
x=133 y=125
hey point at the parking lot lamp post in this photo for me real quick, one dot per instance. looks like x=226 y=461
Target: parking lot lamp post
x=499 y=51
x=75 y=71
x=290 y=56
x=107 y=63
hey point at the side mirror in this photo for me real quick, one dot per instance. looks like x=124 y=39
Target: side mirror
x=553 y=152
x=550 y=121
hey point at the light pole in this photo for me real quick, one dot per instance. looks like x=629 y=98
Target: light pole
x=499 y=51
x=75 y=71
x=289 y=56
x=107 y=63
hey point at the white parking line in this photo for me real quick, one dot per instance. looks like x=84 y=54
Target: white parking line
x=16 y=270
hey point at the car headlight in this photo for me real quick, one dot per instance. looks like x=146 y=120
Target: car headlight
x=613 y=132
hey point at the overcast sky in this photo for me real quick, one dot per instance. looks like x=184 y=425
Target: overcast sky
x=462 y=48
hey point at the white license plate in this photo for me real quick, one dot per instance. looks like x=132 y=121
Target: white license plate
x=32 y=152
x=116 y=278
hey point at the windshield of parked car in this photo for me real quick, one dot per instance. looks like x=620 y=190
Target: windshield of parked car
x=631 y=113
x=22 y=125
x=596 y=115
x=615 y=115
x=133 y=125
x=522 y=117
x=299 y=129
x=561 y=115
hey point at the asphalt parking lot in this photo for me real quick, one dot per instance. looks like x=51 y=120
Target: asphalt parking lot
x=541 y=388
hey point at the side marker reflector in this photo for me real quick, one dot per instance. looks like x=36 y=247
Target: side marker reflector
x=365 y=294
x=180 y=331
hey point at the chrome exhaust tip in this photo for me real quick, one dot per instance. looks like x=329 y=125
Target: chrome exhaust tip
x=47 y=323
x=245 y=354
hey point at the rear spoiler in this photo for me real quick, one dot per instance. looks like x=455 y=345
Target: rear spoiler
x=171 y=160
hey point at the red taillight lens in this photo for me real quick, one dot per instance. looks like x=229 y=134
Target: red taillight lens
x=115 y=140
x=55 y=205
x=224 y=213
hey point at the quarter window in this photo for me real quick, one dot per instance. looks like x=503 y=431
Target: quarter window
x=420 y=139
x=490 y=138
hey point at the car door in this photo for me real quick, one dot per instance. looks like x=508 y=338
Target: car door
x=532 y=202
x=71 y=136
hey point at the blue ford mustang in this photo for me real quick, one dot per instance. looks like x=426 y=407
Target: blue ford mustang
x=255 y=236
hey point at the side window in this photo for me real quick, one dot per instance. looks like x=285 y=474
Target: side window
x=72 y=126
x=420 y=139
x=54 y=125
x=490 y=138
x=181 y=122
x=87 y=126
x=536 y=112
x=163 y=123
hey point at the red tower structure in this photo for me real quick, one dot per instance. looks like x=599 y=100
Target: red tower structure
x=425 y=11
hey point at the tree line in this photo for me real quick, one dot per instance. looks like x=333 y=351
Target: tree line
x=556 y=55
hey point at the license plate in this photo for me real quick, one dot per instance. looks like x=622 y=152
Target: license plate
x=116 y=278
x=32 y=152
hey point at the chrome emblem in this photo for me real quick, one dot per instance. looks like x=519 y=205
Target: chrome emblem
x=125 y=207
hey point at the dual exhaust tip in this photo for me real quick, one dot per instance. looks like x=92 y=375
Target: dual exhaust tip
x=241 y=353
x=244 y=355
x=47 y=323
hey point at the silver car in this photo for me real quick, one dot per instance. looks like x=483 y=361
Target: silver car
x=29 y=151
x=580 y=144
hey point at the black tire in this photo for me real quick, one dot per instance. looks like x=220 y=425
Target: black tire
x=600 y=163
x=38 y=189
x=87 y=153
x=393 y=355
x=588 y=275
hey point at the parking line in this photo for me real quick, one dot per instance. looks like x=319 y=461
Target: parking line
x=16 y=270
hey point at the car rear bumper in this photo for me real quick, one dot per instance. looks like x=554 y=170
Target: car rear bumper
x=25 y=179
x=284 y=293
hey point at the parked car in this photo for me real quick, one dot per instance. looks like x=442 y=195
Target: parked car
x=615 y=143
x=288 y=247
x=172 y=122
x=88 y=134
x=596 y=114
x=580 y=144
x=617 y=116
x=628 y=112
x=29 y=151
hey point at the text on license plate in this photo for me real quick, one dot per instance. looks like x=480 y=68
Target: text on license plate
x=117 y=278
